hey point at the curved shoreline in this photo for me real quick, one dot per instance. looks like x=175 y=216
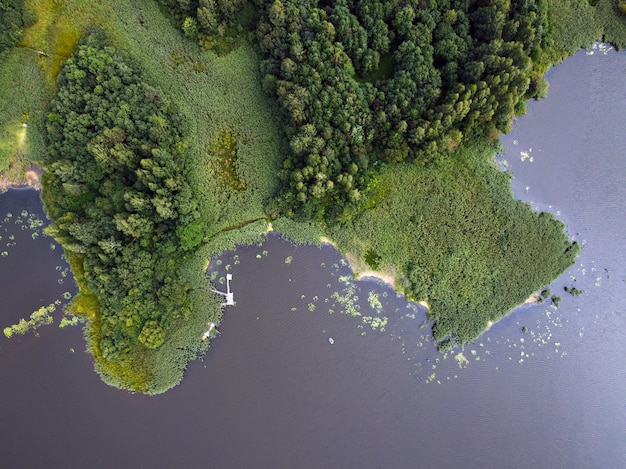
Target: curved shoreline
x=532 y=299
x=354 y=263
x=29 y=177
x=390 y=280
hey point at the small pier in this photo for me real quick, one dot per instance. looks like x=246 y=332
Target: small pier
x=207 y=334
x=228 y=294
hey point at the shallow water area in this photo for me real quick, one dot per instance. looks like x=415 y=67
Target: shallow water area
x=275 y=391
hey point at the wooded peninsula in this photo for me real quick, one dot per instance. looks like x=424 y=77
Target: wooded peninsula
x=172 y=130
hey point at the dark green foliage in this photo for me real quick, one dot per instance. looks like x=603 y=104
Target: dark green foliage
x=372 y=259
x=214 y=23
x=544 y=295
x=119 y=196
x=360 y=84
x=365 y=81
x=573 y=291
x=459 y=70
x=13 y=20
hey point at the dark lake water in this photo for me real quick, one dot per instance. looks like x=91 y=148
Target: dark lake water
x=273 y=391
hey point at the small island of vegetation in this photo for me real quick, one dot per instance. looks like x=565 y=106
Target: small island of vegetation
x=172 y=130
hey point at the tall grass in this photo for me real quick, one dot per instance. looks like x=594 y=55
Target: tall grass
x=578 y=23
x=22 y=101
x=460 y=241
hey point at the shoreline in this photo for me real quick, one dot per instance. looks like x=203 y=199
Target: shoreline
x=361 y=274
x=389 y=279
x=360 y=271
x=532 y=299
x=28 y=177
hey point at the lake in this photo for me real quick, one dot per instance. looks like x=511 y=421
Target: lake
x=289 y=384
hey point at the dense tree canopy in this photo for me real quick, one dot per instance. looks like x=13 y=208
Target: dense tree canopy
x=363 y=81
x=118 y=194
x=370 y=92
x=12 y=22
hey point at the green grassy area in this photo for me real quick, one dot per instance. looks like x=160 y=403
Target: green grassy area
x=454 y=236
x=22 y=101
x=578 y=23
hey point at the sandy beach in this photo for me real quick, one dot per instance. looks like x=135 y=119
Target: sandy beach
x=29 y=177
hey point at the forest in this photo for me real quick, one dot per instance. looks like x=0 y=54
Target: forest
x=171 y=130
x=117 y=192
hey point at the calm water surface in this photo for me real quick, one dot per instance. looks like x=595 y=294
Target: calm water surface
x=274 y=392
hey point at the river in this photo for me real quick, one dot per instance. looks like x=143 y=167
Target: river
x=288 y=384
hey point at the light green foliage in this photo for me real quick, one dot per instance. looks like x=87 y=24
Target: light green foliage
x=67 y=321
x=578 y=23
x=41 y=317
x=464 y=244
x=191 y=235
x=374 y=301
x=152 y=334
x=405 y=83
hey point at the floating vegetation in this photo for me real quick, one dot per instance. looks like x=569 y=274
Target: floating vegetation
x=38 y=318
x=348 y=303
x=71 y=320
x=573 y=291
x=374 y=301
x=376 y=322
x=461 y=360
x=526 y=155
